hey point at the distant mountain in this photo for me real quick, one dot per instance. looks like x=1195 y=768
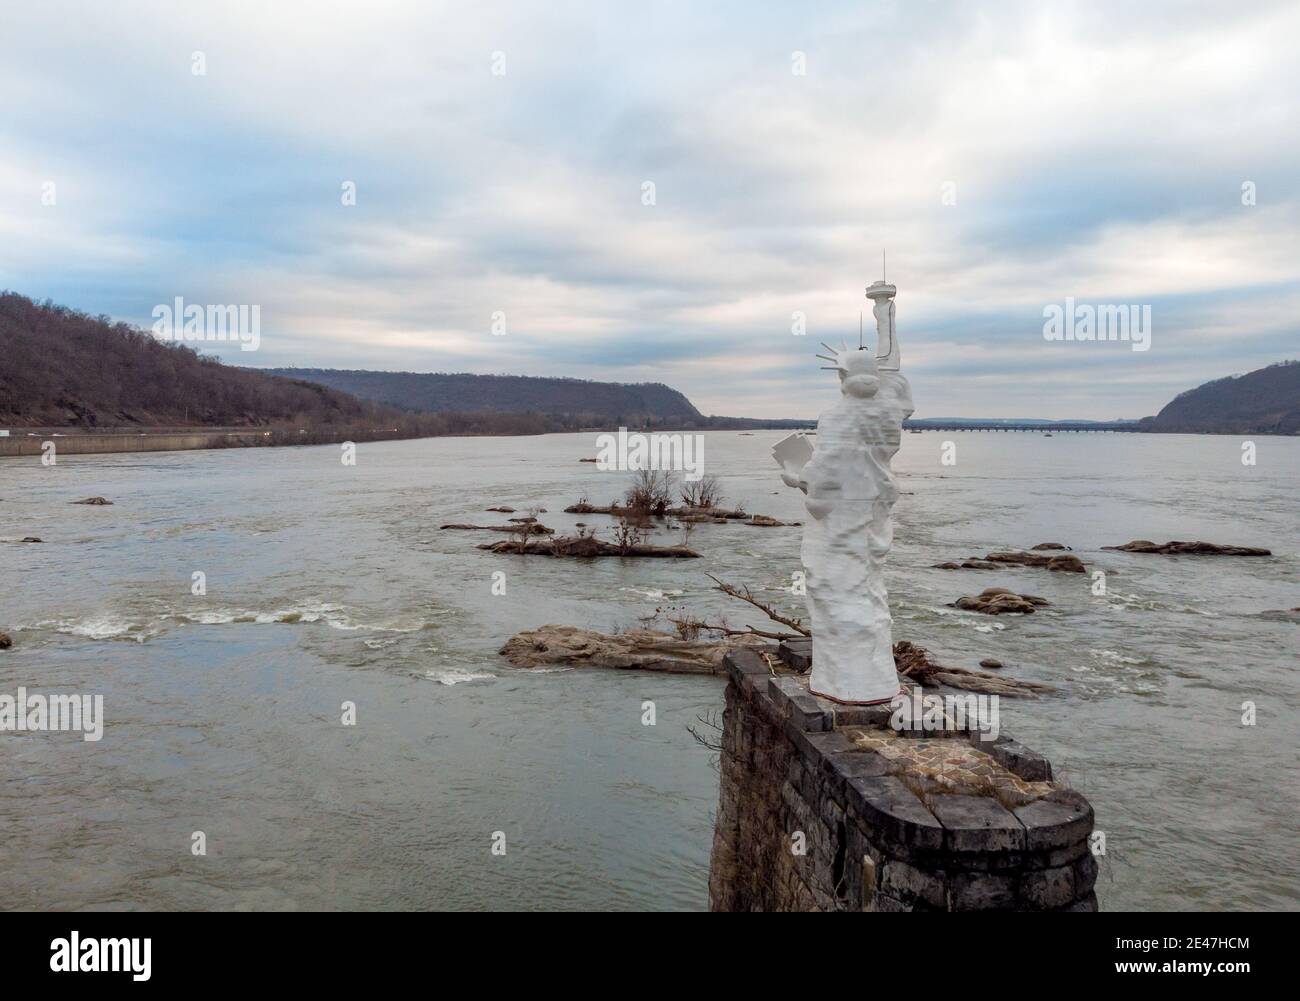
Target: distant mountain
x=61 y=368
x=1266 y=401
x=436 y=392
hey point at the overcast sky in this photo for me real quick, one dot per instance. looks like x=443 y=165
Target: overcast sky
x=1094 y=150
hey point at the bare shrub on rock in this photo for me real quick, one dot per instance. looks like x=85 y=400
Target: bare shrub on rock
x=702 y=493
x=651 y=492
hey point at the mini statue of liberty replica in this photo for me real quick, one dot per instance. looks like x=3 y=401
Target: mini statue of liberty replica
x=850 y=494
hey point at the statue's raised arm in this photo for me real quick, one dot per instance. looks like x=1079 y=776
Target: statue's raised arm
x=887 y=356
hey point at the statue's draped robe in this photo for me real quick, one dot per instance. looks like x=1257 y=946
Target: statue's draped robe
x=851 y=492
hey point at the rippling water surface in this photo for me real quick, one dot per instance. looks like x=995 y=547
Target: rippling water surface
x=328 y=583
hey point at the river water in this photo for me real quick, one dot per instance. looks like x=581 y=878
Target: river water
x=328 y=583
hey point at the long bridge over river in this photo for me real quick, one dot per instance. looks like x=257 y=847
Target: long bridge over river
x=938 y=425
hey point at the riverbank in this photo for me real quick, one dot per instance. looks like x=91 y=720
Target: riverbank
x=99 y=443
x=79 y=441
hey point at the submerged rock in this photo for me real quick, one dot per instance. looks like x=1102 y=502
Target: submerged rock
x=685 y=513
x=992 y=663
x=31 y=538
x=1189 y=548
x=970 y=564
x=97 y=501
x=998 y=600
x=585 y=546
x=1049 y=545
x=530 y=526
x=6 y=641
x=503 y=510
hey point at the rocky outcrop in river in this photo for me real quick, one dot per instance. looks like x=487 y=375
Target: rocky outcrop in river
x=523 y=526
x=588 y=546
x=1062 y=562
x=1187 y=548
x=639 y=649
x=999 y=600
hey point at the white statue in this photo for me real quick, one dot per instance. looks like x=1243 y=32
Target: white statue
x=850 y=493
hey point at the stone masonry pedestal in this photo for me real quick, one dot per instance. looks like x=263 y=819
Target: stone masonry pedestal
x=825 y=807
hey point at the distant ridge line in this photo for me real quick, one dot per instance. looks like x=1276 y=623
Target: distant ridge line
x=437 y=392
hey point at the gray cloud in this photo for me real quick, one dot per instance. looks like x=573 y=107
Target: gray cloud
x=1095 y=152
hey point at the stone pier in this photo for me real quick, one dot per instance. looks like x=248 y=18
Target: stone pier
x=828 y=808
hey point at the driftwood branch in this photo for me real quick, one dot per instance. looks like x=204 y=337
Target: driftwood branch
x=767 y=610
x=728 y=631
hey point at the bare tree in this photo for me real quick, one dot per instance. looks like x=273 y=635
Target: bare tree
x=651 y=492
x=703 y=493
